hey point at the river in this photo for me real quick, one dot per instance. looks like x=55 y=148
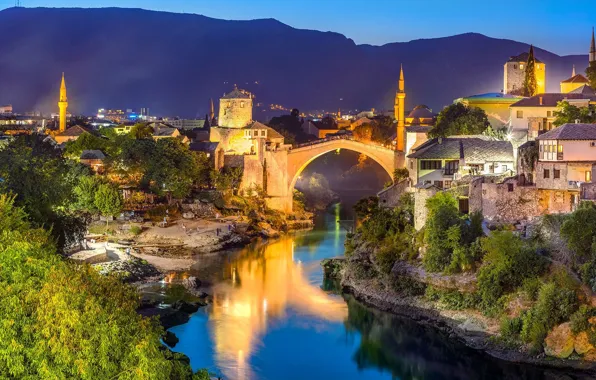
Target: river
x=271 y=319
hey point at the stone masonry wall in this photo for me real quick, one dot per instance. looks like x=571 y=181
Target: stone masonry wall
x=509 y=203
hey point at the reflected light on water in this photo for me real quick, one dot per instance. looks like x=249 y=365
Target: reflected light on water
x=260 y=289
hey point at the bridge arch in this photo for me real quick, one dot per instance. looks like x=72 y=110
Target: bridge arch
x=300 y=157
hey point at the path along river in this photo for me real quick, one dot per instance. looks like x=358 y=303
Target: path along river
x=272 y=319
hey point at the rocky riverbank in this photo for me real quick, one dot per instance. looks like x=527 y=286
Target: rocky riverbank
x=467 y=326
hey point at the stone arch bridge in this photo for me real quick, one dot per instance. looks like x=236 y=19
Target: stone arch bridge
x=284 y=169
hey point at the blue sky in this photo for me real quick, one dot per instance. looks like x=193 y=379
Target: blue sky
x=562 y=27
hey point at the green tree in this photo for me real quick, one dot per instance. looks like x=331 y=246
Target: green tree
x=579 y=229
x=85 y=192
x=567 y=113
x=449 y=236
x=400 y=174
x=591 y=74
x=227 y=178
x=108 y=200
x=86 y=141
x=173 y=169
x=507 y=262
x=141 y=131
x=459 y=119
x=529 y=86
x=63 y=320
x=42 y=182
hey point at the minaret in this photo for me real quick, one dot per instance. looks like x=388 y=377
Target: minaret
x=593 y=48
x=212 y=112
x=400 y=111
x=62 y=104
x=573 y=72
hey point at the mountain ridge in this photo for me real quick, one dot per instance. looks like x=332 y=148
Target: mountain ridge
x=174 y=62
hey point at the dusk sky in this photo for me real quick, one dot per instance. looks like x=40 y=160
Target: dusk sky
x=559 y=26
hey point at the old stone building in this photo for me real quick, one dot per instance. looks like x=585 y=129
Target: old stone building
x=440 y=161
x=235 y=109
x=515 y=72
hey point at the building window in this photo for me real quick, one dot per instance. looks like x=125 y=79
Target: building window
x=451 y=167
x=412 y=164
x=503 y=168
x=588 y=176
x=430 y=164
x=556 y=173
x=549 y=114
x=546 y=173
x=447 y=184
x=515 y=67
x=520 y=114
x=241 y=104
x=263 y=133
x=439 y=184
x=510 y=187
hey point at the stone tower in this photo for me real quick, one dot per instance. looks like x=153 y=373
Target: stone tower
x=515 y=72
x=399 y=111
x=62 y=105
x=235 y=109
x=593 y=48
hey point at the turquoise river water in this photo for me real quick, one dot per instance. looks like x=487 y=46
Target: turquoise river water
x=272 y=319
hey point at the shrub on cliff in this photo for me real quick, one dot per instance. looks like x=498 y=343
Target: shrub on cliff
x=507 y=262
x=579 y=229
x=555 y=305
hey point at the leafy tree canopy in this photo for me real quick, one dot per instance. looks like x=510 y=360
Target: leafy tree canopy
x=567 y=113
x=459 y=119
x=64 y=320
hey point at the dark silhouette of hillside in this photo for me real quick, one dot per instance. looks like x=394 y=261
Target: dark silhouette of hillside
x=173 y=63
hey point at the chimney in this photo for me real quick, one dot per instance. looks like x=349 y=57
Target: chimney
x=540 y=99
x=440 y=140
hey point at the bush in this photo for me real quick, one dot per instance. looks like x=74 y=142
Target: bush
x=554 y=305
x=580 y=229
x=506 y=264
x=511 y=328
x=448 y=236
x=451 y=299
x=580 y=319
x=408 y=286
x=136 y=230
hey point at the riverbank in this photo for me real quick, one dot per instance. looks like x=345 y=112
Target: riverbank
x=466 y=326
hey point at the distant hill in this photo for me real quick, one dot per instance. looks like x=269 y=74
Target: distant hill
x=173 y=63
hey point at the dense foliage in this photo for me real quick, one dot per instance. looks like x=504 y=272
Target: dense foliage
x=507 y=262
x=290 y=126
x=42 y=183
x=459 y=119
x=450 y=238
x=568 y=113
x=62 y=320
x=380 y=131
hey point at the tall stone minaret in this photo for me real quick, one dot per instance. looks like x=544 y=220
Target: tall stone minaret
x=63 y=104
x=400 y=111
x=212 y=111
x=593 y=48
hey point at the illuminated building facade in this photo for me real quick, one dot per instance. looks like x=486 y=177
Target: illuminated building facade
x=515 y=72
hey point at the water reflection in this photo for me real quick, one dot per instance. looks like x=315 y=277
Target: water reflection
x=271 y=320
x=261 y=284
